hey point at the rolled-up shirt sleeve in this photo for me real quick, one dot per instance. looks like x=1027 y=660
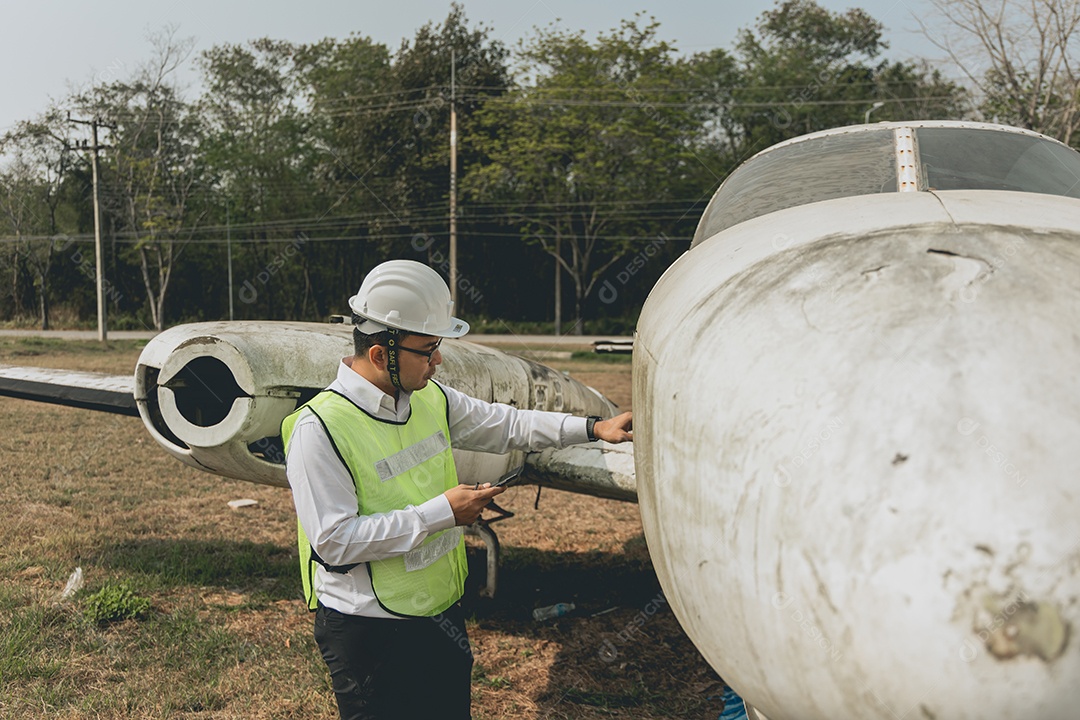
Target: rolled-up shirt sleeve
x=326 y=505
x=499 y=428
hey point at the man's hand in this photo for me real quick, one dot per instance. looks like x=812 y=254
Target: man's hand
x=468 y=501
x=615 y=430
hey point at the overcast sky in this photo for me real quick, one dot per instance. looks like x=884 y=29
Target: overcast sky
x=51 y=46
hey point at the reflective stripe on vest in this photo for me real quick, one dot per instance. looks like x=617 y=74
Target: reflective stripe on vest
x=394 y=465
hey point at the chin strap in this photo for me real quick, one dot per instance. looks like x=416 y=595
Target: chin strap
x=392 y=353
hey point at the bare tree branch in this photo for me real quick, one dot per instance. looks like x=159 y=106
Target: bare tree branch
x=1018 y=54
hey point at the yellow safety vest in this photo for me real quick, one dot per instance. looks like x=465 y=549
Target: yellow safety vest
x=394 y=465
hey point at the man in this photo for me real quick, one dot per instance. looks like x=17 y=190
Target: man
x=380 y=507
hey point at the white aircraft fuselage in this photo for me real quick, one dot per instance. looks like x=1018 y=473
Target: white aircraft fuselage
x=856 y=425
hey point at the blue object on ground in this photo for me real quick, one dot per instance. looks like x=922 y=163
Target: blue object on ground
x=734 y=709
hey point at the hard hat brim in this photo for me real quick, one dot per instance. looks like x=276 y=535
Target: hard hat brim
x=454 y=329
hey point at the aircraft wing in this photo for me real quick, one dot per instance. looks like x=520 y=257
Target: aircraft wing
x=599 y=469
x=87 y=390
x=213 y=395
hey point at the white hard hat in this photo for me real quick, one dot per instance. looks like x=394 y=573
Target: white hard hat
x=406 y=295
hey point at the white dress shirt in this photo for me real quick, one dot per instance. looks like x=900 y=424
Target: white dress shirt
x=325 y=496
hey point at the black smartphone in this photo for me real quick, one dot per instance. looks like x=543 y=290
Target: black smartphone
x=508 y=476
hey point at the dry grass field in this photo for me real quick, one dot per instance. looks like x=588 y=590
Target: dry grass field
x=225 y=634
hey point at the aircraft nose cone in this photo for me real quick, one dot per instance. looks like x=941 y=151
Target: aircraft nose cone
x=857 y=469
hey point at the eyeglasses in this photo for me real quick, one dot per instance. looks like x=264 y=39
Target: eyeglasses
x=426 y=354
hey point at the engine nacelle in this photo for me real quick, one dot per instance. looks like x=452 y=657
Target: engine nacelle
x=214 y=395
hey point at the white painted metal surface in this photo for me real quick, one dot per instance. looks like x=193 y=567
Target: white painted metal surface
x=90 y=390
x=121 y=384
x=856 y=452
x=607 y=470
x=214 y=395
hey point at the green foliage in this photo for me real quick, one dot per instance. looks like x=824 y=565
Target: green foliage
x=114 y=602
x=807 y=69
x=624 y=325
x=33 y=189
x=20 y=656
x=592 y=155
x=605 y=358
x=578 y=156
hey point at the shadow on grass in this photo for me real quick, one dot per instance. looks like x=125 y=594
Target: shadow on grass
x=530 y=578
x=621 y=651
x=262 y=569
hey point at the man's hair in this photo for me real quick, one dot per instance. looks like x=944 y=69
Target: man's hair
x=362 y=342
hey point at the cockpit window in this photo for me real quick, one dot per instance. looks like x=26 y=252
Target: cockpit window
x=969 y=159
x=824 y=168
x=863 y=162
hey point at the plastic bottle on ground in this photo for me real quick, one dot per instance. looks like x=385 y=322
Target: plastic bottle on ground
x=552 y=611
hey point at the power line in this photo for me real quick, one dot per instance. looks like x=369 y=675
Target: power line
x=623 y=88
x=323 y=228
x=568 y=102
x=379 y=237
x=348 y=106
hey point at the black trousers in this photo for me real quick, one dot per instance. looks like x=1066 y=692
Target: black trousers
x=401 y=669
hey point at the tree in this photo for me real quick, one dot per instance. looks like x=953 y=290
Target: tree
x=30 y=197
x=382 y=123
x=422 y=73
x=264 y=152
x=347 y=85
x=1020 y=56
x=153 y=172
x=807 y=69
x=588 y=154
x=18 y=188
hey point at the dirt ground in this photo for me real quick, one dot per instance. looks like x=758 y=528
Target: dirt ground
x=80 y=489
x=621 y=653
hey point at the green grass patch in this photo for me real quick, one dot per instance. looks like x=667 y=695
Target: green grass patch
x=602 y=358
x=164 y=665
x=113 y=602
x=495 y=682
x=36 y=345
x=23 y=657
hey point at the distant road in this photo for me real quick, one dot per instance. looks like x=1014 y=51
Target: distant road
x=544 y=339
x=568 y=340
x=80 y=334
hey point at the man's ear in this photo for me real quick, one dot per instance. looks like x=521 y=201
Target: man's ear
x=376 y=355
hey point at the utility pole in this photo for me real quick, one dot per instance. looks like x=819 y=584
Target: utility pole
x=558 y=284
x=99 y=253
x=228 y=245
x=453 y=179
